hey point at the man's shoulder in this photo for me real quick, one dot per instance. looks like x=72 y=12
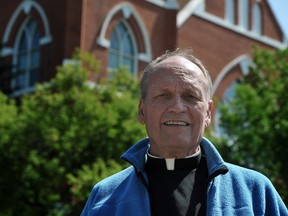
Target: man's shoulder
x=250 y=176
x=114 y=180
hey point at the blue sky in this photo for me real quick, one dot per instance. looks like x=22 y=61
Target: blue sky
x=280 y=9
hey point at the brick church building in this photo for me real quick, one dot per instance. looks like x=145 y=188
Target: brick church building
x=38 y=35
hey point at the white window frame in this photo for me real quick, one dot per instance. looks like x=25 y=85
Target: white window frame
x=257 y=19
x=27 y=87
x=230 y=11
x=122 y=55
x=244 y=14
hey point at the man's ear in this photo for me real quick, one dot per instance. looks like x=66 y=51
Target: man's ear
x=209 y=113
x=141 y=116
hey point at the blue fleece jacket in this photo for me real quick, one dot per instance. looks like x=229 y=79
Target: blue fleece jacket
x=232 y=190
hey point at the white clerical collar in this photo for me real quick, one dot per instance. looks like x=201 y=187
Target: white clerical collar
x=170 y=162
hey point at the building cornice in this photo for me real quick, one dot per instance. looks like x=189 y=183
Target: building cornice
x=240 y=30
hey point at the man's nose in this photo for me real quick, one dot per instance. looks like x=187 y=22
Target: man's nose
x=177 y=105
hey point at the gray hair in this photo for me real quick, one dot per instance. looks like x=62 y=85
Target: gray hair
x=185 y=53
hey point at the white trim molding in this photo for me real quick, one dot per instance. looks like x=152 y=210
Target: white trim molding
x=127 y=10
x=188 y=11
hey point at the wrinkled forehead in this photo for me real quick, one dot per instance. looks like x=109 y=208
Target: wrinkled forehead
x=179 y=68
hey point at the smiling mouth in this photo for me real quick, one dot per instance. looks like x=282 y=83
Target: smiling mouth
x=176 y=123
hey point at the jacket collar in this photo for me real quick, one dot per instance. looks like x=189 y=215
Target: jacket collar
x=215 y=162
x=136 y=155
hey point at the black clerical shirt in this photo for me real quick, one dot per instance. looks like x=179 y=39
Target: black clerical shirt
x=180 y=191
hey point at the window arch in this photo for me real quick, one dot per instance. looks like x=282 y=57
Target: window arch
x=230 y=11
x=244 y=61
x=123 y=48
x=26 y=58
x=244 y=13
x=257 y=19
x=26 y=8
x=128 y=12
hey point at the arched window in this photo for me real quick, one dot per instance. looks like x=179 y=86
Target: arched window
x=257 y=19
x=230 y=11
x=123 y=49
x=228 y=96
x=229 y=93
x=244 y=13
x=27 y=57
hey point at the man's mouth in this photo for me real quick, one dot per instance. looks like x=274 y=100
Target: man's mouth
x=176 y=123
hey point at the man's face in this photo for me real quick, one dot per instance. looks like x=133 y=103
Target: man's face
x=176 y=110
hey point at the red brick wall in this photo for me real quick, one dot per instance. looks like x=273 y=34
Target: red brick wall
x=270 y=26
x=216 y=7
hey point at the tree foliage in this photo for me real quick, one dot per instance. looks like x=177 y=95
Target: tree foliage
x=62 y=139
x=255 y=122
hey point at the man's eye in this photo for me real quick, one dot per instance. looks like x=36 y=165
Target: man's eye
x=162 y=95
x=193 y=97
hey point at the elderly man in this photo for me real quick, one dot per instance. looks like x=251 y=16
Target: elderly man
x=176 y=171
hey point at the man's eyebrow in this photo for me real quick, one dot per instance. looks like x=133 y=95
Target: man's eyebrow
x=191 y=86
x=193 y=89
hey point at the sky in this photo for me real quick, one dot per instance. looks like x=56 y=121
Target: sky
x=280 y=9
